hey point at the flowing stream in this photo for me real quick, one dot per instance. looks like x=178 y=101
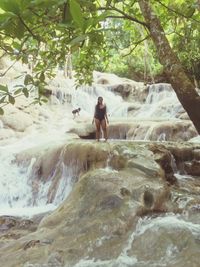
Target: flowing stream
x=15 y=185
x=16 y=180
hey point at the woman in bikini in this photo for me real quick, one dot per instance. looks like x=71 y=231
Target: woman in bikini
x=100 y=118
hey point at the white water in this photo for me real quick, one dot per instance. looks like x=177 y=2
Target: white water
x=168 y=223
x=16 y=196
x=15 y=181
x=161 y=103
x=55 y=120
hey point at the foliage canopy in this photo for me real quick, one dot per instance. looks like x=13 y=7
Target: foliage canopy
x=99 y=34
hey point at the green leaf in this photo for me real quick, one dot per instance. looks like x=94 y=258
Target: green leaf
x=19 y=30
x=1 y=111
x=25 y=92
x=77 y=13
x=28 y=79
x=18 y=91
x=40 y=89
x=10 y=6
x=18 y=76
x=42 y=77
x=78 y=39
x=6 y=16
x=35 y=102
x=2 y=99
x=45 y=100
x=18 y=85
x=3 y=88
x=44 y=3
x=108 y=3
x=16 y=45
x=11 y=99
x=67 y=17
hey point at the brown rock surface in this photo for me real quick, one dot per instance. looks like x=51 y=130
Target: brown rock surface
x=102 y=213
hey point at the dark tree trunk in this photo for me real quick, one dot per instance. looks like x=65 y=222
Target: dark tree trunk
x=184 y=88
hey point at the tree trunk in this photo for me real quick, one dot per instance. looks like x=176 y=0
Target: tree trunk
x=184 y=88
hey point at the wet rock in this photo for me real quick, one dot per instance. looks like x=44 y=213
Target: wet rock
x=7 y=222
x=109 y=211
x=123 y=89
x=164 y=158
x=196 y=153
x=148 y=199
x=125 y=192
x=192 y=168
x=31 y=244
x=17 y=120
x=182 y=153
x=55 y=259
x=111 y=202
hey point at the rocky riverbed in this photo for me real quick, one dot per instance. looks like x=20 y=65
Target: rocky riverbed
x=131 y=204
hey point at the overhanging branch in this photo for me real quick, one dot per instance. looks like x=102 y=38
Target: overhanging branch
x=26 y=26
x=176 y=12
x=125 y=15
x=135 y=45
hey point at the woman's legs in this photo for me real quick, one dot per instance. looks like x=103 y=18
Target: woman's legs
x=104 y=128
x=98 y=124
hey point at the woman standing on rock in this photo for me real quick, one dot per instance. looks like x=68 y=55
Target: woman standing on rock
x=100 y=118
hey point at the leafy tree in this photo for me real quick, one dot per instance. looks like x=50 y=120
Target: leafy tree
x=49 y=29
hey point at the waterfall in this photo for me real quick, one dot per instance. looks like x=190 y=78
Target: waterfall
x=22 y=193
x=85 y=97
x=52 y=124
x=161 y=103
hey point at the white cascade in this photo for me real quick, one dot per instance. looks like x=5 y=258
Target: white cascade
x=161 y=103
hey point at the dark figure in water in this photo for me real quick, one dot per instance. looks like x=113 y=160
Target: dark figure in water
x=100 y=118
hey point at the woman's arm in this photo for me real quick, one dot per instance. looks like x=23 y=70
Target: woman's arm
x=106 y=116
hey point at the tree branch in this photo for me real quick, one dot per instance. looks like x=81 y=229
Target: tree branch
x=176 y=12
x=135 y=45
x=3 y=55
x=4 y=73
x=26 y=26
x=7 y=103
x=126 y=16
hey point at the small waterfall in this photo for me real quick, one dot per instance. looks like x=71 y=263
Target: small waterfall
x=85 y=97
x=148 y=133
x=15 y=191
x=161 y=102
x=162 y=137
x=173 y=164
x=23 y=194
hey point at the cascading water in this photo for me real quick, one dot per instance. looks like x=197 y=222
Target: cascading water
x=24 y=193
x=15 y=188
x=16 y=181
x=164 y=251
x=161 y=103
x=85 y=97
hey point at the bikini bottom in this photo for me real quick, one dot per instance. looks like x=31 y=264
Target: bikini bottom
x=100 y=119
